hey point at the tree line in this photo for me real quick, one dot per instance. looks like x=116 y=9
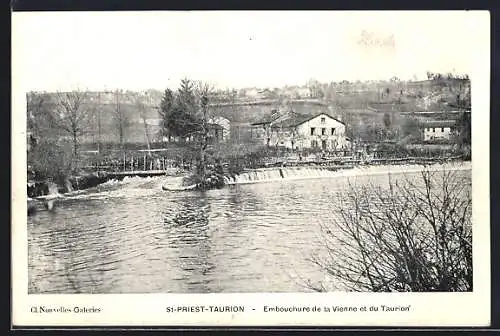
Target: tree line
x=57 y=123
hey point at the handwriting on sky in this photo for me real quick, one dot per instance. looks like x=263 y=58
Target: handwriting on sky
x=374 y=40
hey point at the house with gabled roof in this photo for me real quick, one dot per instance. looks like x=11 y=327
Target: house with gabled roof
x=302 y=131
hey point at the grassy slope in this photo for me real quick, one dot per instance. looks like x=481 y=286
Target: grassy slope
x=358 y=104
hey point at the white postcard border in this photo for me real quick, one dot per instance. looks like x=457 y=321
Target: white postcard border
x=427 y=309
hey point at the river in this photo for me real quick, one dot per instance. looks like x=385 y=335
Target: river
x=133 y=237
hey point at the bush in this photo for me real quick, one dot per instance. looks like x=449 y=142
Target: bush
x=51 y=160
x=214 y=177
x=235 y=166
x=191 y=180
x=408 y=236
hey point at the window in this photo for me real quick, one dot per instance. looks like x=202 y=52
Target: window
x=323 y=131
x=323 y=119
x=333 y=131
x=312 y=130
x=314 y=143
x=442 y=129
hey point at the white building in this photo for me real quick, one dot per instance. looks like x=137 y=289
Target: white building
x=438 y=129
x=300 y=131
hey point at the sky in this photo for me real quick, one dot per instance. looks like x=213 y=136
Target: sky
x=154 y=50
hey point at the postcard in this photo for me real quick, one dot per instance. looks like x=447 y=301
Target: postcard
x=240 y=168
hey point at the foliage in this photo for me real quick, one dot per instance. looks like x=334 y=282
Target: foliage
x=464 y=129
x=439 y=76
x=211 y=177
x=166 y=106
x=187 y=115
x=407 y=236
x=34 y=104
x=186 y=98
x=179 y=111
x=410 y=128
x=387 y=120
x=167 y=101
x=392 y=150
x=51 y=160
x=373 y=133
x=64 y=116
x=72 y=114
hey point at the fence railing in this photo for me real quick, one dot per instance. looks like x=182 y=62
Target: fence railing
x=130 y=162
x=157 y=161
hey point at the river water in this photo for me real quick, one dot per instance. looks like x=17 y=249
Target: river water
x=133 y=237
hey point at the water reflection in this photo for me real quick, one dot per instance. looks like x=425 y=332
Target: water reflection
x=136 y=238
x=187 y=226
x=79 y=264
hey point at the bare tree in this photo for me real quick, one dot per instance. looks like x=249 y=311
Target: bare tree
x=409 y=236
x=34 y=105
x=141 y=107
x=120 y=118
x=97 y=113
x=73 y=114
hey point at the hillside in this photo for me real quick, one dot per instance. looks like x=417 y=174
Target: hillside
x=358 y=104
x=359 y=100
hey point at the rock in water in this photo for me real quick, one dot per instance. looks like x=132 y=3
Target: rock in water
x=53 y=189
x=68 y=185
x=49 y=205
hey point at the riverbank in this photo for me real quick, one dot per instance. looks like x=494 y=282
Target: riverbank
x=43 y=189
x=178 y=180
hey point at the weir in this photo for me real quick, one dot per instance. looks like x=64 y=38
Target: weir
x=296 y=173
x=276 y=174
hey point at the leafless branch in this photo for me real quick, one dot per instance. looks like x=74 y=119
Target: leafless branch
x=411 y=235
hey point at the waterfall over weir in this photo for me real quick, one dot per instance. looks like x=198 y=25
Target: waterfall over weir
x=300 y=173
x=276 y=174
x=296 y=173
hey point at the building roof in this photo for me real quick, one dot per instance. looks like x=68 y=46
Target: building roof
x=267 y=118
x=290 y=120
x=438 y=123
x=295 y=119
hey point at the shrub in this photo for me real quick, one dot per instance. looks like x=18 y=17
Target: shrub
x=407 y=236
x=191 y=180
x=51 y=160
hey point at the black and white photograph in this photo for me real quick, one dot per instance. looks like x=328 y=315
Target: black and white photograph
x=249 y=152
